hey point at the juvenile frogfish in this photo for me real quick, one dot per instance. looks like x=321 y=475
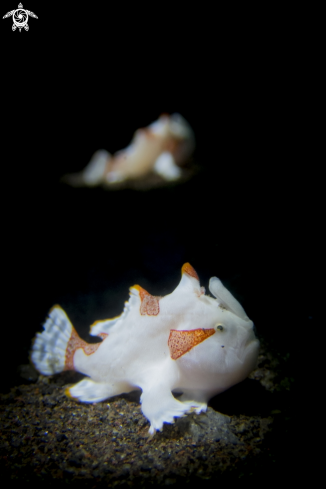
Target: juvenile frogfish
x=185 y=342
x=160 y=148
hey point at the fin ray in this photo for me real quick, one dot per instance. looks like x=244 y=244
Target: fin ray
x=53 y=350
x=49 y=347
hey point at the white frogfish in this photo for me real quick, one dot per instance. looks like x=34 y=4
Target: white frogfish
x=185 y=342
x=160 y=148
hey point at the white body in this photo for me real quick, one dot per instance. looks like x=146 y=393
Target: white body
x=138 y=351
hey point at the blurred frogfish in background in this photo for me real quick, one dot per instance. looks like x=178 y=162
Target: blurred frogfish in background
x=161 y=148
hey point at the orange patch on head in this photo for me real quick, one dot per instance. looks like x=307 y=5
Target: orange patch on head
x=74 y=343
x=189 y=270
x=180 y=342
x=150 y=305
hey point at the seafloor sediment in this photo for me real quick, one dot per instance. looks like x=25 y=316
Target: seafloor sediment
x=49 y=438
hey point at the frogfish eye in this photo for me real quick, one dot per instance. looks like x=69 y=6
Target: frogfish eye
x=219 y=326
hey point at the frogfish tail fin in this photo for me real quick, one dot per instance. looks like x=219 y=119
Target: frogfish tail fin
x=53 y=349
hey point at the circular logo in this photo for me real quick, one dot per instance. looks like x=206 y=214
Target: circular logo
x=20 y=18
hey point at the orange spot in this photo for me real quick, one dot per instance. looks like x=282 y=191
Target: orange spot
x=150 y=305
x=180 y=342
x=189 y=270
x=103 y=336
x=67 y=392
x=74 y=343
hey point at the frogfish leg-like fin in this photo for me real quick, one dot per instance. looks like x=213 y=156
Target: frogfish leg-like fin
x=94 y=172
x=159 y=406
x=197 y=400
x=88 y=390
x=96 y=169
x=166 y=167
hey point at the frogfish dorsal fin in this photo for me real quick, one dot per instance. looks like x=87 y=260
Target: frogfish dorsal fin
x=149 y=304
x=189 y=270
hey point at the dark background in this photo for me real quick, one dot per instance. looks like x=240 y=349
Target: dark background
x=82 y=79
